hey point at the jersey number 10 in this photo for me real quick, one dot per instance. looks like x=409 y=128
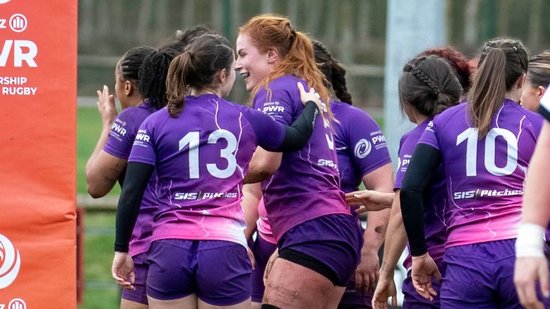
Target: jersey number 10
x=471 y=135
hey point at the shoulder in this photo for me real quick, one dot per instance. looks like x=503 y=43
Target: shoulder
x=160 y=115
x=285 y=82
x=533 y=117
x=511 y=113
x=353 y=117
x=450 y=115
x=452 y=111
x=413 y=136
x=136 y=113
x=350 y=111
x=283 y=86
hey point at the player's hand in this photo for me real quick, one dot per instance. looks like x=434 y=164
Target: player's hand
x=366 y=273
x=385 y=288
x=423 y=269
x=106 y=106
x=526 y=273
x=368 y=200
x=311 y=95
x=123 y=270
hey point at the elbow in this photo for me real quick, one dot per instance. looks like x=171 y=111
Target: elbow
x=94 y=189
x=263 y=168
x=96 y=192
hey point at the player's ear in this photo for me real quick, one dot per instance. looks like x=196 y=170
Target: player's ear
x=272 y=55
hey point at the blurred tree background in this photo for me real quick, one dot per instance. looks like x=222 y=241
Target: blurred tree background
x=354 y=31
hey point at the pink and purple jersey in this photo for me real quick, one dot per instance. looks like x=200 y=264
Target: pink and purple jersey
x=119 y=144
x=360 y=148
x=307 y=184
x=484 y=177
x=262 y=224
x=201 y=158
x=360 y=145
x=435 y=201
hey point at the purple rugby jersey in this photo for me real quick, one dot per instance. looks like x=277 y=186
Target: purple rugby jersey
x=307 y=184
x=119 y=144
x=201 y=158
x=485 y=177
x=360 y=145
x=436 y=201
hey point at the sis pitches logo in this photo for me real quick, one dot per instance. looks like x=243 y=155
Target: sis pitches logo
x=10 y=262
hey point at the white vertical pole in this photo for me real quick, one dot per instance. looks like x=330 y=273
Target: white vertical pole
x=412 y=26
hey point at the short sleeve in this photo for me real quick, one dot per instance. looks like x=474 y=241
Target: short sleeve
x=121 y=136
x=404 y=155
x=278 y=102
x=370 y=150
x=143 y=149
x=429 y=137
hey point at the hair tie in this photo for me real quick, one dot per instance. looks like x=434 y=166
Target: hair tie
x=189 y=53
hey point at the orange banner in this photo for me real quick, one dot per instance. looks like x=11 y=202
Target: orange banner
x=38 y=48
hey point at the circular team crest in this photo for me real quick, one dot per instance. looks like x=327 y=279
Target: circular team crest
x=10 y=262
x=362 y=148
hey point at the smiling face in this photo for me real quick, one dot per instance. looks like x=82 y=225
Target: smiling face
x=252 y=64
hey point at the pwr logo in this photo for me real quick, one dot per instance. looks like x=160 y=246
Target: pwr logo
x=10 y=262
x=18 y=23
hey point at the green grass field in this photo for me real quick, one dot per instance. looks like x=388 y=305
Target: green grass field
x=100 y=291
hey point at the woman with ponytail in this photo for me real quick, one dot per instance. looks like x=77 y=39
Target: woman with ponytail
x=318 y=239
x=199 y=146
x=484 y=146
x=140 y=76
x=427 y=86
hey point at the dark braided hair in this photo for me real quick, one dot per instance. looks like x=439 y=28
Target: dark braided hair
x=152 y=76
x=459 y=63
x=131 y=61
x=334 y=72
x=416 y=71
x=429 y=85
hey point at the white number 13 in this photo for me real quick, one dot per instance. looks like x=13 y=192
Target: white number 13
x=471 y=136
x=228 y=153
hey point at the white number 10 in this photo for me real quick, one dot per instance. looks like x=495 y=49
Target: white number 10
x=471 y=136
x=228 y=153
